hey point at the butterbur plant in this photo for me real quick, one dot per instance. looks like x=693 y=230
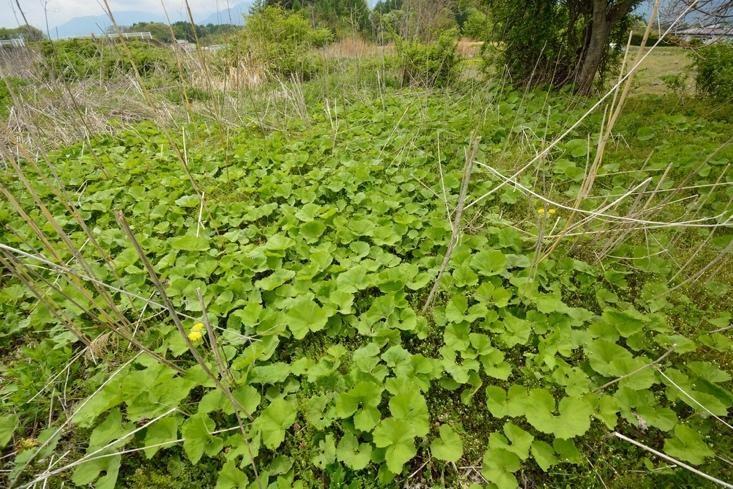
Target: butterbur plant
x=379 y=297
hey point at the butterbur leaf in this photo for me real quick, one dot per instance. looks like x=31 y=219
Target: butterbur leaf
x=230 y=477
x=190 y=242
x=410 y=405
x=354 y=455
x=456 y=308
x=7 y=427
x=197 y=437
x=162 y=431
x=326 y=453
x=92 y=471
x=353 y=280
x=687 y=445
x=312 y=230
x=489 y=262
x=397 y=436
x=626 y=323
x=520 y=440
x=275 y=279
x=499 y=466
x=543 y=454
x=305 y=315
x=448 y=447
x=274 y=420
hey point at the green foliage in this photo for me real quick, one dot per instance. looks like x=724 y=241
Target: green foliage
x=324 y=252
x=477 y=25
x=26 y=32
x=77 y=59
x=546 y=42
x=8 y=86
x=183 y=31
x=714 y=71
x=428 y=65
x=279 y=41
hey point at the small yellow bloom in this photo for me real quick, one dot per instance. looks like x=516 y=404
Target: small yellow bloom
x=551 y=211
x=198 y=327
x=195 y=336
x=541 y=210
x=27 y=443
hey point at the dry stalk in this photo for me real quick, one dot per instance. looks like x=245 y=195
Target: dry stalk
x=457 y=216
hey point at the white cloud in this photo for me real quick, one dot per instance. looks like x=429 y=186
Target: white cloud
x=59 y=11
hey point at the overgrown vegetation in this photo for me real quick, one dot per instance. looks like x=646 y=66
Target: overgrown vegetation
x=281 y=42
x=78 y=59
x=714 y=65
x=428 y=65
x=373 y=266
x=557 y=43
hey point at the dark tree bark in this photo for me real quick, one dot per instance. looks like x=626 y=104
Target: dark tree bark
x=605 y=14
x=600 y=30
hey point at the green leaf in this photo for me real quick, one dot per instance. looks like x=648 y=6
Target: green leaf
x=305 y=315
x=353 y=280
x=499 y=466
x=448 y=447
x=626 y=323
x=397 y=436
x=90 y=471
x=230 y=477
x=274 y=420
x=543 y=454
x=520 y=440
x=577 y=148
x=162 y=431
x=7 y=427
x=326 y=453
x=275 y=279
x=687 y=445
x=489 y=262
x=362 y=394
x=108 y=430
x=354 y=455
x=410 y=405
x=248 y=398
x=190 y=242
x=197 y=437
x=312 y=230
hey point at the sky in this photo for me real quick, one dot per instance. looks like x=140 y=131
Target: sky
x=59 y=11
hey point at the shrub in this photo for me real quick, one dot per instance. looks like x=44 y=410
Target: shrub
x=7 y=85
x=427 y=65
x=77 y=59
x=714 y=66
x=281 y=42
x=477 y=25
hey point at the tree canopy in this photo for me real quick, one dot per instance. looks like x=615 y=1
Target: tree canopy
x=560 y=42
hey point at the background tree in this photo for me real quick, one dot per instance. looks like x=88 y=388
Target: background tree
x=27 y=32
x=338 y=15
x=560 y=42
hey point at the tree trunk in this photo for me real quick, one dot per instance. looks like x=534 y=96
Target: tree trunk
x=600 y=32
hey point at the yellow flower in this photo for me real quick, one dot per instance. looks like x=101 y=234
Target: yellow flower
x=551 y=211
x=195 y=336
x=541 y=210
x=198 y=327
x=27 y=443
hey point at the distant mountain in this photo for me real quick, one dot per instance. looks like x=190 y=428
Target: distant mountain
x=98 y=24
x=233 y=15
